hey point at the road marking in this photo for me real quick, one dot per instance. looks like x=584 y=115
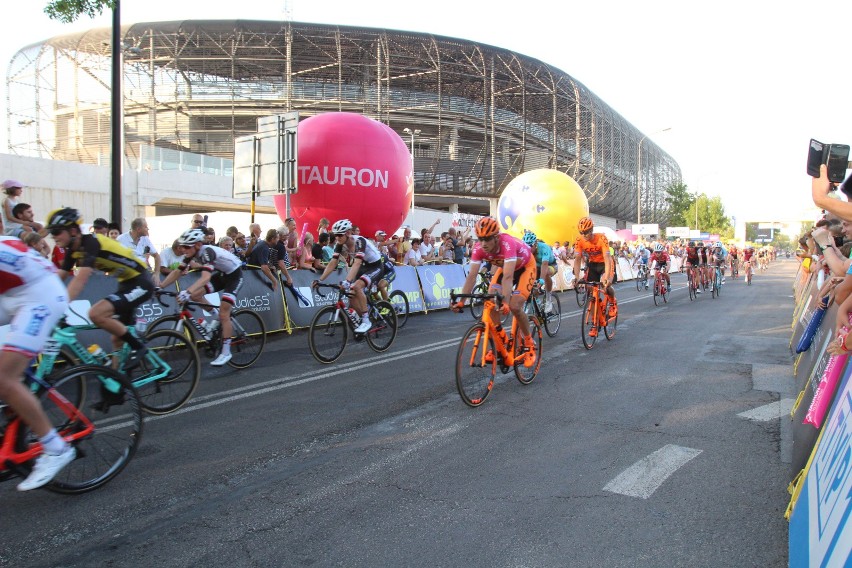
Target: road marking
x=769 y=411
x=645 y=476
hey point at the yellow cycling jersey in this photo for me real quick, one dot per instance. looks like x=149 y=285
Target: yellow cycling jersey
x=102 y=253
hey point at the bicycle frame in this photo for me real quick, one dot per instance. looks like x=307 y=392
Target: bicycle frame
x=505 y=349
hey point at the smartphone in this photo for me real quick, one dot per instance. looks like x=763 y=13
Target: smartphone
x=836 y=161
x=815 y=154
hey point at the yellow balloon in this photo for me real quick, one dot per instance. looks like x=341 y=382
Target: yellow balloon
x=546 y=202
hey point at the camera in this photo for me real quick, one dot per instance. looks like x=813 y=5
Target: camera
x=834 y=156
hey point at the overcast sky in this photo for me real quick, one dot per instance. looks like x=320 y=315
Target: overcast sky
x=743 y=85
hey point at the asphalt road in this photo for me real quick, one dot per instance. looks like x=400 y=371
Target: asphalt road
x=632 y=454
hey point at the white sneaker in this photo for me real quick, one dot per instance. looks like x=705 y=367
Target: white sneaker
x=46 y=467
x=548 y=307
x=365 y=326
x=222 y=359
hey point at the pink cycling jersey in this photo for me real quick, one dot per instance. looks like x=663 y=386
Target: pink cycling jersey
x=21 y=265
x=510 y=248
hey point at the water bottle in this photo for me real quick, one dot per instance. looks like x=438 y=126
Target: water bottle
x=353 y=317
x=99 y=354
x=141 y=326
x=502 y=334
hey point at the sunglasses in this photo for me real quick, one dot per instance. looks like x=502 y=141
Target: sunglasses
x=197 y=222
x=186 y=246
x=586 y=233
x=56 y=232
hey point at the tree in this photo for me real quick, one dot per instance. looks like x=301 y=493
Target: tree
x=679 y=200
x=68 y=11
x=710 y=216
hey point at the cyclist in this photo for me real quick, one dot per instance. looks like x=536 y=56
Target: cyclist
x=90 y=252
x=692 y=263
x=32 y=300
x=514 y=274
x=733 y=254
x=703 y=257
x=546 y=265
x=748 y=252
x=367 y=267
x=660 y=260
x=388 y=276
x=718 y=254
x=642 y=258
x=600 y=264
x=220 y=270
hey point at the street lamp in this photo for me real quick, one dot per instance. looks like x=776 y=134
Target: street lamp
x=639 y=175
x=412 y=133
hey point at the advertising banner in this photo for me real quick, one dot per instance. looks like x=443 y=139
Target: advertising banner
x=301 y=314
x=645 y=229
x=437 y=281
x=681 y=232
x=821 y=520
x=407 y=281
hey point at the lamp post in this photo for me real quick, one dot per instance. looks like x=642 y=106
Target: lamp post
x=639 y=175
x=412 y=133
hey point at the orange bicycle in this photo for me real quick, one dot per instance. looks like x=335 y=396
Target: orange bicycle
x=596 y=315
x=484 y=347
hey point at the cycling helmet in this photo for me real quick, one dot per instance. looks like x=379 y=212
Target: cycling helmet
x=641 y=248
x=658 y=247
x=586 y=224
x=691 y=244
x=191 y=236
x=487 y=227
x=63 y=218
x=530 y=238
x=340 y=227
x=717 y=245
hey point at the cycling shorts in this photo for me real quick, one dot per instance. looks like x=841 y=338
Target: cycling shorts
x=370 y=273
x=33 y=312
x=229 y=284
x=550 y=268
x=663 y=266
x=522 y=280
x=595 y=271
x=130 y=295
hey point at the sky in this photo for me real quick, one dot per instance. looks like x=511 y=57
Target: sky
x=742 y=85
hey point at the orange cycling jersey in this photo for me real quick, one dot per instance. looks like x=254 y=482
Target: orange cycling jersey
x=595 y=247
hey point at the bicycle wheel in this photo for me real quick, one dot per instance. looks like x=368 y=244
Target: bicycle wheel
x=526 y=374
x=169 y=393
x=381 y=335
x=639 y=281
x=474 y=375
x=476 y=306
x=611 y=323
x=581 y=295
x=399 y=301
x=248 y=338
x=718 y=282
x=690 y=283
x=102 y=451
x=327 y=334
x=656 y=291
x=589 y=322
x=664 y=292
x=553 y=318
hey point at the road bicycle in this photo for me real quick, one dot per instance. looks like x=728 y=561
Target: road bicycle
x=536 y=304
x=164 y=378
x=693 y=282
x=661 y=291
x=735 y=270
x=330 y=327
x=104 y=444
x=642 y=278
x=749 y=271
x=580 y=288
x=248 y=331
x=397 y=299
x=596 y=315
x=484 y=348
x=716 y=284
x=481 y=288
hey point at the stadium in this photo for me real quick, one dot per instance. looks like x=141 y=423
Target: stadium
x=474 y=115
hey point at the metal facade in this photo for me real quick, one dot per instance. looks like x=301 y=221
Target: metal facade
x=485 y=114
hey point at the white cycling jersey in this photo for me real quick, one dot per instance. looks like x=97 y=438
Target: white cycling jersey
x=20 y=265
x=214 y=258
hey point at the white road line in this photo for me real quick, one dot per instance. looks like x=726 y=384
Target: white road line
x=769 y=411
x=645 y=476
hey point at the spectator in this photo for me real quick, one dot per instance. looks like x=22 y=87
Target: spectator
x=137 y=240
x=427 y=247
x=447 y=250
x=316 y=252
x=424 y=232
x=280 y=259
x=413 y=256
x=99 y=226
x=292 y=240
x=36 y=242
x=260 y=258
x=323 y=227
x=113 y=231
x=240 y=246
x=356 y=230
x=327 y=249
x=253 y=238
x=198 y=222
x=226 y=243
x=232 y=232
x=209 y=236
x=23 y=213
x=457 y=239
x=393 y=248
x=170 y=258
x=306 y=258
x=11 y=225
x=404 y=245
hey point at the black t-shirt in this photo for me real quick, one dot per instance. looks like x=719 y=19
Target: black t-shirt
x=316 y=251
x=259 y=255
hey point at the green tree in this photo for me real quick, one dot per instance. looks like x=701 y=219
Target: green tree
x=710 y=214
x=68 y=11
x=679 y=200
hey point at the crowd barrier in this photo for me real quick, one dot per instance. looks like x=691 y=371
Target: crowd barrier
x=821 y=488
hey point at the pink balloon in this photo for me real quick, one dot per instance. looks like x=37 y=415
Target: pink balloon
x=350 y=167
